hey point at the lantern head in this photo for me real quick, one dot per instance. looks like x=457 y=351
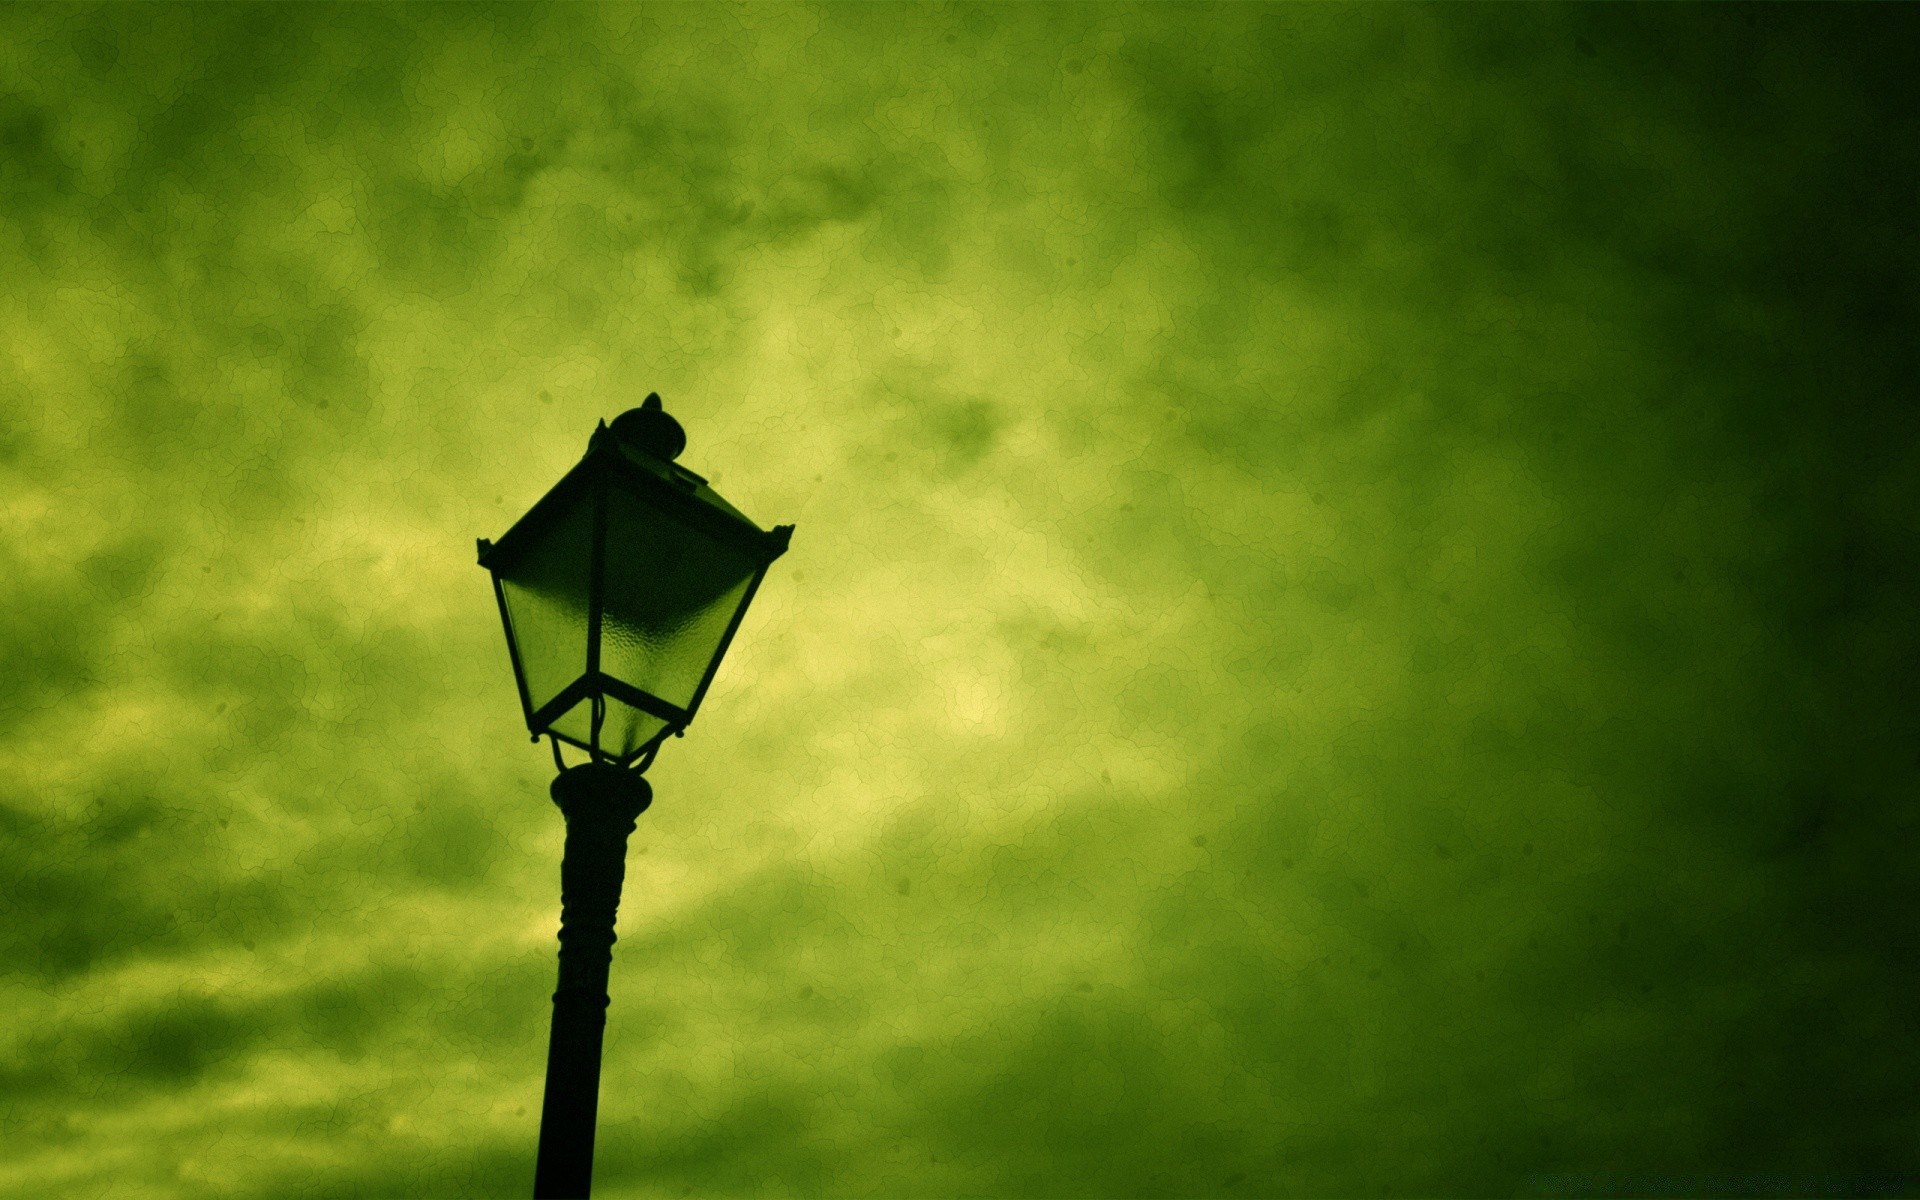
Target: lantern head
x=621 y=589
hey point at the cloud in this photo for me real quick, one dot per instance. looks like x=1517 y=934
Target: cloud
x=1348 y=633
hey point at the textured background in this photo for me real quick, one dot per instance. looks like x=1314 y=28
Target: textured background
x=1351 y=630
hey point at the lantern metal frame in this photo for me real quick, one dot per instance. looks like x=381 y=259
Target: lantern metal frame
x=676 y=493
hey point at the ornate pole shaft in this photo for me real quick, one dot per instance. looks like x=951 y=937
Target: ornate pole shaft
x=601 y=803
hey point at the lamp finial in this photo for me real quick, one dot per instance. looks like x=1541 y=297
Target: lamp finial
x=650 y=430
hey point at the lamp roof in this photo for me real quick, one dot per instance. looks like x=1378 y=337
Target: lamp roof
x=635 y=463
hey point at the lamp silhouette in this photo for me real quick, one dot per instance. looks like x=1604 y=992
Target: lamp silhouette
x=620 y=591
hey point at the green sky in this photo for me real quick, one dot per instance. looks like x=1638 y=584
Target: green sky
x=1351 y=629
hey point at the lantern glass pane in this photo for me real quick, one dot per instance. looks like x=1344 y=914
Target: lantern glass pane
x=624 y=730
x=671 y=592
x=546 y=592
x=576 y=722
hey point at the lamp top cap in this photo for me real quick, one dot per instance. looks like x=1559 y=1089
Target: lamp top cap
x=650 y=430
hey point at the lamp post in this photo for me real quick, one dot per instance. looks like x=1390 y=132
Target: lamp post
x=620 y=591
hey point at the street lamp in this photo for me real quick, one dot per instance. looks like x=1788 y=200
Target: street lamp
x=620 y=591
